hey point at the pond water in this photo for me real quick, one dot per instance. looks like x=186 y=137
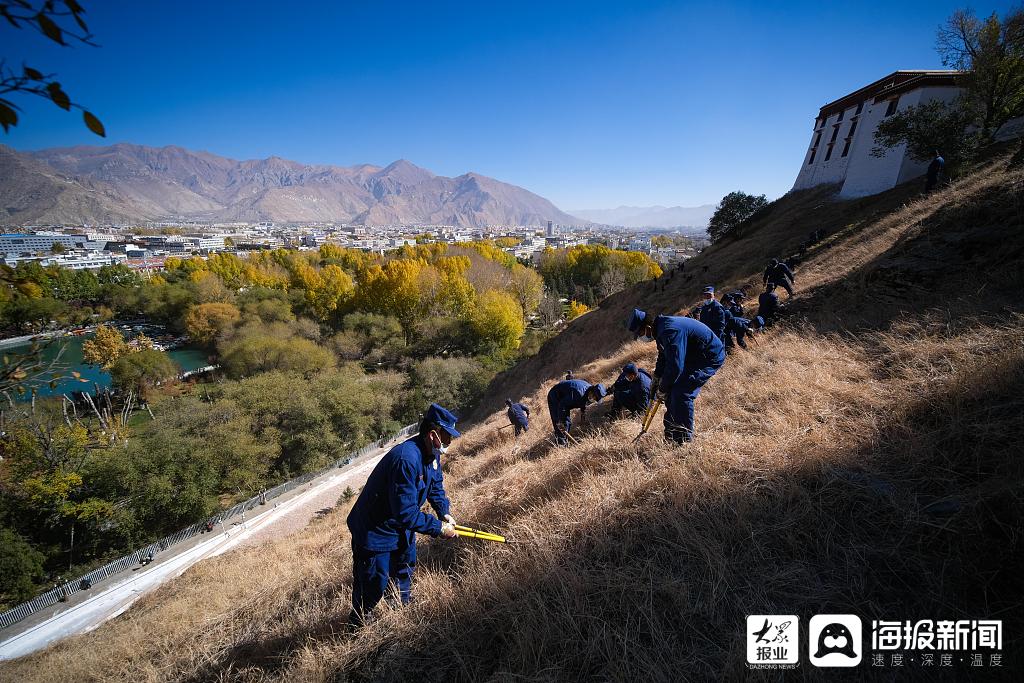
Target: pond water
x=71 y=360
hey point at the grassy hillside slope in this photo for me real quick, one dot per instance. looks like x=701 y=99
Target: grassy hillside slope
x=863 y=457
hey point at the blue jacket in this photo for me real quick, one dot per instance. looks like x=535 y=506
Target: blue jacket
x=735 y=323
x=687 y=348
x=777 y=273
x=638 y=391
x=565 y=396
x=767 y=304
x=519 y=414
x=387 y=513
x=712 y=314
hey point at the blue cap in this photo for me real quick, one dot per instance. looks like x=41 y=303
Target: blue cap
x=601 y=391
x=636 y=320
x=443 y=418
x=630 y=369
x=710 y=289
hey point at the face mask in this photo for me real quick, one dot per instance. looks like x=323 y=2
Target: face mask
x=438 y=451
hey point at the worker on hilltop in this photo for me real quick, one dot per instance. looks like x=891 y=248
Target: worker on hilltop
x=568 y=395
x=387 y=515
x=631 y=391
x=935 y=169
x=711 y=313
x=779 y=274
x=768 y=305
x=518 y=416
x=689 y=353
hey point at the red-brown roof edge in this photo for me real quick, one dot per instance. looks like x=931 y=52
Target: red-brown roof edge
x=896 y=82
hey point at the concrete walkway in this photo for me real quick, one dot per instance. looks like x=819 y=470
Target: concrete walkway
x=85 y=610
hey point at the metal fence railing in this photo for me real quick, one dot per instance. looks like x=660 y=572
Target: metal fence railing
x=86 y=581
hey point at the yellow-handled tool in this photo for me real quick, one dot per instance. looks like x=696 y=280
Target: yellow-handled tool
x=468 y=532
x=649 y=418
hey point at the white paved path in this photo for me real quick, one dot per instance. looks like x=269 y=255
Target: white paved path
x=126 y=589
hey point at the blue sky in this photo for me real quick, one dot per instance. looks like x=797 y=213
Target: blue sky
x=589 y=104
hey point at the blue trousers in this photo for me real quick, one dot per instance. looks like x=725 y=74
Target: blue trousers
x=553 y=411
x=679 y=410
x=519 y=428
x=373 y=572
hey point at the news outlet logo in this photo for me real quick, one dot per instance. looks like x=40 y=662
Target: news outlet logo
x=835 y=640
x=773 y=641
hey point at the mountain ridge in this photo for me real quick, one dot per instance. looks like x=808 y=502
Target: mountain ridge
x=125 y=182
x=650 y=216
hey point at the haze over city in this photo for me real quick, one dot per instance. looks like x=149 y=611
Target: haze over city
x=591 y=107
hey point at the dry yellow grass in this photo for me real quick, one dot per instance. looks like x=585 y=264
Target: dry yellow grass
x=808 y=490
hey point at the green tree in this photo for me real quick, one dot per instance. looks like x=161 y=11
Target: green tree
x=21 y=568
x=57 y=248
x=142 y=370
x=735 y=208
x=455 y=383
x=118 y=274
x=928 y=128
x=249 y=354
x=991 y=53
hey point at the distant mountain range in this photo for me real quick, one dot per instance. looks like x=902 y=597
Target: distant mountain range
x=126 y=183
x=651 y=216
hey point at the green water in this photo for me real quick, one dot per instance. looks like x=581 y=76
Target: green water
x=71 y=360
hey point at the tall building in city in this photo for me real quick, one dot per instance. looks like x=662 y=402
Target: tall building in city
x=551 y=229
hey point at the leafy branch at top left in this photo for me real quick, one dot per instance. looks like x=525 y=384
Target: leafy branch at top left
x=61 y=21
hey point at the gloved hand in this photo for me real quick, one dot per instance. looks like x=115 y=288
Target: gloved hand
x=448 y=530
x=450 y=520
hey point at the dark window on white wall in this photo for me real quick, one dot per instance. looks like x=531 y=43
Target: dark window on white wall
x=891 y=109
x=817 y=139
x=860 y=108
x=835 y=133
x=828 y=153
x=849 y=138
x=811 y=159
x=840 y=117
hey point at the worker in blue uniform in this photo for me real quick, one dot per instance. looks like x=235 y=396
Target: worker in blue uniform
x=631 y=391
x=518 y=415
x=689 y=353
x=568 y=395
x=711 y=313
x=779 y=274
x=386 y=517
x=768 y=305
